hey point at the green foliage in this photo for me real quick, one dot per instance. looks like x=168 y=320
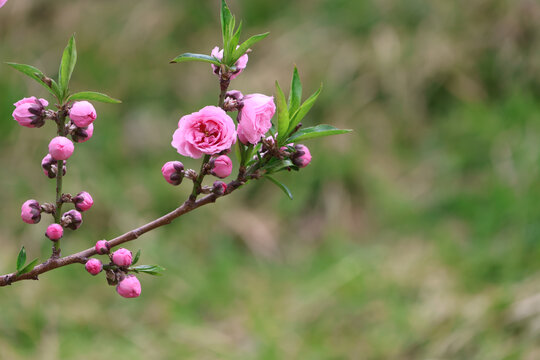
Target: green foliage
x=316 y=132
x=155 y=270
x=196 y=57
x=282 y=186
x=69 y=59
x=21 y=258
x=93 y=96
x=38 y=76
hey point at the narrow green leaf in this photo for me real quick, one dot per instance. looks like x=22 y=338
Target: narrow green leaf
x=38 y=76
x=248 y=44
x=226 y=19
x=136 y=258
x=148 y=269
x=278 y=165
x=195 y=57
x=283 y=114
x=304 y=109
x=233 y=43
x=282 y=186
x=28 y=267
x=69 y=59
x=21 y=258
x=93 y=96
x=295 y=95
x=315 y=132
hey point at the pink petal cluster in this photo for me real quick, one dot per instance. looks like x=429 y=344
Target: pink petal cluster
x=221 y=166
x=28 y=111
x=31 y=212
x=102 y=247
x=82 y=134
x=122 y=257
x=82 y=113
x=54 y=232
x=240 y=64
x=129 y=287
x=83 y=201
x=302 y=156
x=173 y=172
x=61 y=148
x=208 y=131
x=255 y=117
x=93 y=266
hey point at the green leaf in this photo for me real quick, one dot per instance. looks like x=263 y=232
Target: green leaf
x=295 y=95
x=226 y=20
x=195 y=57
x=283 y=114
x=136 y=258
x=93 y=96
x=148 y=269
x=277 y=165
x=28 y=267
x=21 y=258
x=69 y=59
x=38 y=76
x=248 y=44
x=304 y=109
x=233 y=43
x=315 y=132
x=282 y=186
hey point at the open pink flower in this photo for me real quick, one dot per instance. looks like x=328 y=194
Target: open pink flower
x=255 y=117
x=208 y=131
x=240 y=64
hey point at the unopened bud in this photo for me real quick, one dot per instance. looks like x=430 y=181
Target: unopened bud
x=122 y=257
x=221 y=166
x=72 y=219
x=173 y=172
x=54 y=232
x=82 y=134
x=219 y=188
x=302 y=156
x=31 y=212
x=61 y=148
x=102 y=247
x=83 y=201
x=129 y=287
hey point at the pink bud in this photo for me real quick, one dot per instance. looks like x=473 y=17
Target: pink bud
x=221 y=166
x=72 y=219
x=83 y=201
x=61 y=148
x=173 y=172
x=94 y=266
x=240 y=64
x=102 y=247
x=29 y=112
x=82 y=113
x=302 y=156
x=54 y=232
x=129 y=287
x=31 y=212
x=219 y=188
x=83 y=134
x=50 y=165
x=122 y=257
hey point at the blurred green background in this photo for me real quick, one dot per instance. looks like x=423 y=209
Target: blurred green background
x=415 y=237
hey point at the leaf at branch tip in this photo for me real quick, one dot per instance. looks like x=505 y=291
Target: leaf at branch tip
x=295 y=95
x=226 y=19
x=315 y=132
x=195 y=57
x=283 y=114
x=38 y=76
x=28 y=267
x=93 y=96
x=282 y=186
x=69 y=59
x=21 y=258
x=155 y=270
x=303 y=110
x=248 y=44
x=136 y=258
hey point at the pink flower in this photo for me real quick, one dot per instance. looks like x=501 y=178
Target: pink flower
x=240 y=64
x=173 y=172
x=122 y=257
x=102 y=247
x=83 y=134
x=302 y=156
x=93 y=266
x=29 y=112
x=82 y=113
x=49 y=166
x=2 y=3
x=221 y=166
x=61 y=148
x=31 y=212
x=254 y=118
x=129 y=287
x=208 y=131
x=54 y=232
x=83 y=201
x=72 y=219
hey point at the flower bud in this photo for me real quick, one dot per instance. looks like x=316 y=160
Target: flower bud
x=221 y=166
x=129 y=287
x=302 y=156
x=72 y=219
x=82 y=113
x=240 y=64
x=54 y=232
x=122 y=257
x=29 y=112
x=61 y=148
x=82 y=134
x=50 y=165
x=173 y=172
x=83 y=201
x=93 y=266
x=102 y=247
x=219 y=188
x=31 y=212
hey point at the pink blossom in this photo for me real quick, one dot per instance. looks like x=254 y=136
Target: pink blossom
x=29 y=112
x=102 y=247
x=255 y=117
x=31 y=212
x=221 y=166
x=61 y=148
x=173 y=172
x=208 y=131
x=122 y=257
x=54 y=232
x=93 y=266
x=240 y=64
x=83 y=201
x=83 y=134
x=302 y=156
x=129 y=287
x=82 y=113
